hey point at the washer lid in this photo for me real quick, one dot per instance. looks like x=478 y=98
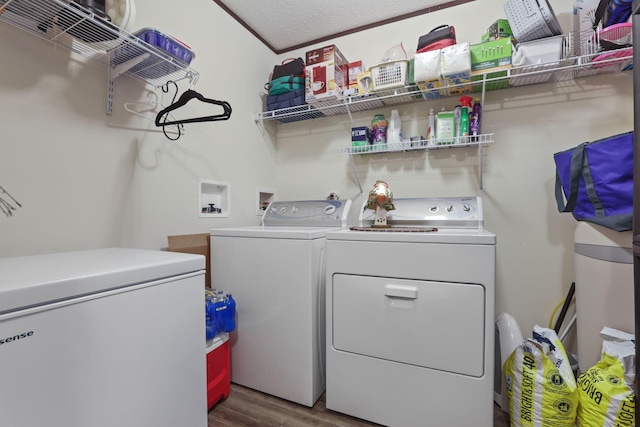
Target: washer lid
x=274 y=232
x=38 y=279
x=308 y=213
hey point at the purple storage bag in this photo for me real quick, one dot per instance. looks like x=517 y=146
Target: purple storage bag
x=596 y=179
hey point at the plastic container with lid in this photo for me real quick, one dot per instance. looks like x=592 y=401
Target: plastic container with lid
x=603 y=270
x=170 y=55
x=379 y=127
x=170 y=45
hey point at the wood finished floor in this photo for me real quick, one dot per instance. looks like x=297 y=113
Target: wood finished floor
x=248 y=408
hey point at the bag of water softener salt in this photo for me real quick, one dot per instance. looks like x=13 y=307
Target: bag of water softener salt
x=540 y=383
x=606 y=391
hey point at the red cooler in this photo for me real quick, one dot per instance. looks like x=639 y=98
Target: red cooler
x=218 y=369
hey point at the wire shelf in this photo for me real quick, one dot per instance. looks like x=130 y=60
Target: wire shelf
x=73 y=27
x=420 y=145
x=571 y=68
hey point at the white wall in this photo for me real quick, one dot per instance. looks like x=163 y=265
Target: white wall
x=530 y=124
x=89 y=180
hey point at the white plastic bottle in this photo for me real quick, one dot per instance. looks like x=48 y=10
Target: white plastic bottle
x=394 y=130
x=431 y=131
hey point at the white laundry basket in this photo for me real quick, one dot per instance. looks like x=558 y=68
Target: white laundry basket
x=531 y=19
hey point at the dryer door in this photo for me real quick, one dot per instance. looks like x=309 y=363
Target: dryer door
x=429 y=324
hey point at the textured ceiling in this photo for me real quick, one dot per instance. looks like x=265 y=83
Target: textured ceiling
x=285 y=25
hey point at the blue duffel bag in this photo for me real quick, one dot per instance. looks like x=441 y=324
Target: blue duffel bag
x=596 y=179
x=290 y=99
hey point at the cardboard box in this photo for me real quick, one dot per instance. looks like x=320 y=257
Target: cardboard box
x=492 y=58
x=361 y=137
x=355 y=68
x=498 y=30
x=362 y=134
x=198 y=244
x=490 y=55
x=445 y=128
x=456 y=68
x=327 y=74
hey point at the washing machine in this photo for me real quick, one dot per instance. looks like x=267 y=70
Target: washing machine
x=410 y=316
x=276 y=274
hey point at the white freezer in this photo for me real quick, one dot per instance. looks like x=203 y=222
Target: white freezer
x=103 y=338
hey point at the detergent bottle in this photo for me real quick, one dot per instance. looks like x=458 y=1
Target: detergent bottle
x=466 y=102
x=431 y=130
x=475 y=120
x=379 y=127
x=394 y=129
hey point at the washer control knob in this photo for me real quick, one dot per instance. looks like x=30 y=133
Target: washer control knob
x=283 y=210
x=466 y=207
x=449 y=208
x=433 y=209
x=294 y=209
x=329 y=209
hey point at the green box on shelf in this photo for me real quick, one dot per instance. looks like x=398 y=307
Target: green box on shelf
x=492 y=58
x=497 y=30
x=478 y=76
x=492 y=54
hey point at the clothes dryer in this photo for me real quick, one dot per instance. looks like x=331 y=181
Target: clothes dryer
x=410 y=316
x=275 y=272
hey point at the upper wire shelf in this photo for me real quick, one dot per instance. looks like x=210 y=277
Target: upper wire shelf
x=562 y=70
x=73 y=27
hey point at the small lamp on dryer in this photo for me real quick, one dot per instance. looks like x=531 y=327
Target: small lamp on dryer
x=380 y=200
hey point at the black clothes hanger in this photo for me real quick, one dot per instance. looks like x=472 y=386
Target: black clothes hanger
x=186 y=97
x=179 y=127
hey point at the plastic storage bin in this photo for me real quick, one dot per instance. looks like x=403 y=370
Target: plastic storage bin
x=541 y=51
x=390 y=75
x=218 y=369
x=175 y=48
x=538 y=58
x=172 y=55
x=603 y=262
x=531 y=19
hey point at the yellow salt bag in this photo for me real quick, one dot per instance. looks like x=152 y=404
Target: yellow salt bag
x=607 y=397
x=540 y=383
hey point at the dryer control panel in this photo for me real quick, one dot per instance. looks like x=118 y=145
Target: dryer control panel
x=307 y=213
x=447 y=212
